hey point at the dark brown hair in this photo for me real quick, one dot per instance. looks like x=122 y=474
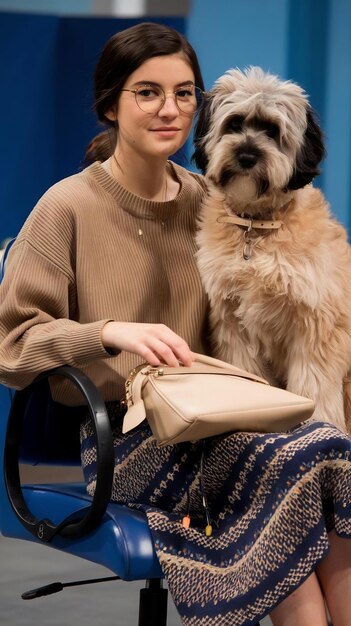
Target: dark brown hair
x=122 y=55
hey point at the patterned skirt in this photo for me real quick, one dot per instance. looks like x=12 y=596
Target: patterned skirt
x=271 y=500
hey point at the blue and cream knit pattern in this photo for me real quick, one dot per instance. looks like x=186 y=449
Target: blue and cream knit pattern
x=272 y=499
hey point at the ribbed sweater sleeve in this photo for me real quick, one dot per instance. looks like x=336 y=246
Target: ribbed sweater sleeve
x=38 y=300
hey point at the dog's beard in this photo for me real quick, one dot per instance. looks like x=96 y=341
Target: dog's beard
x=243 y=188
x=240 y=186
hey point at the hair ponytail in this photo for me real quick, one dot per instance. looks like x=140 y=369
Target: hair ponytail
x=100 y=148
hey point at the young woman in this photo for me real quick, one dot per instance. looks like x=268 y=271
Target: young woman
x=102 y=276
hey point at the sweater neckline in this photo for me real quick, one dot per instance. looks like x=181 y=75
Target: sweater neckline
x=136 y=205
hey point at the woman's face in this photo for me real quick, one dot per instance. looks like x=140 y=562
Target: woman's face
x=161 y=133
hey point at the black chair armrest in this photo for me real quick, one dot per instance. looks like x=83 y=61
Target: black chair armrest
x=85 y=520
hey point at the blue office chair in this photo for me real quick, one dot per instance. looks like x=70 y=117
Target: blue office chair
x=63 y=516
x=41 y=431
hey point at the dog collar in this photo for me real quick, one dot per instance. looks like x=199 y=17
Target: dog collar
x=249 y=223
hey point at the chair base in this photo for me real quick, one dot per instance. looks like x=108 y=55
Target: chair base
x=153 y=604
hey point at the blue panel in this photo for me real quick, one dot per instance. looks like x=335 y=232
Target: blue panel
x=308 y=48
x=27 y=79
x=239 y=33
x=338 y=112
x=5 y=402
x=307 y=43
x=55 y=7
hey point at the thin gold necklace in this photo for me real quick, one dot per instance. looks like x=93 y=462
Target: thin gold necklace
x=165 y=195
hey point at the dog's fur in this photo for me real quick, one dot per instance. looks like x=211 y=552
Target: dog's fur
x=285 y=313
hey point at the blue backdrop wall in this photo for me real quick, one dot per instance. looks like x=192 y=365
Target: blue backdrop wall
x=46 y=76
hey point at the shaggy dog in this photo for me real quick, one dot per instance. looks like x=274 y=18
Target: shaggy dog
x=275 y=264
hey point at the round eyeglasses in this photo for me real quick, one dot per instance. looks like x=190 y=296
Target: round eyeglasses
x=151 y=98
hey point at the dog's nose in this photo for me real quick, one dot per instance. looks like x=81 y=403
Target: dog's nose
x=247 y=159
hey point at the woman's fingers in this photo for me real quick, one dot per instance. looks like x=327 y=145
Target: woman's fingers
x=155 y=343
x=170 y=347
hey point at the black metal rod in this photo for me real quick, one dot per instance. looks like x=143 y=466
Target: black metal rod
x=47 y=590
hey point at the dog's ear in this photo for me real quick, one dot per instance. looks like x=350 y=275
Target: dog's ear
x=311 y=153
x=200 y=131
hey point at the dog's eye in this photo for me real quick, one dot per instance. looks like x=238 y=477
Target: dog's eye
x=235 y=124
x=272 y=130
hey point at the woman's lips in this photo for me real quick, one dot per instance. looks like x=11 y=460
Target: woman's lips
x=165 y=131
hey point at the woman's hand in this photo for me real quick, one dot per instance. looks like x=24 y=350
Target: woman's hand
x=155 y=343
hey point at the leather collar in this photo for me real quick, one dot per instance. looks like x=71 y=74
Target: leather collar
x=248 y=223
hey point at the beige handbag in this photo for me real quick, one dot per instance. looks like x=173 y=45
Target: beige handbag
x=209 y=398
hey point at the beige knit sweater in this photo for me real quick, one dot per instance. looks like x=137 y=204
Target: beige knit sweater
x=90 y=252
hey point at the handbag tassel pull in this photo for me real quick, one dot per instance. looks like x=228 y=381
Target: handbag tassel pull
x=208 y=530
x=186 y=521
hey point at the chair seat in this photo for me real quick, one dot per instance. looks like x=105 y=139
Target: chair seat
x=122 y=542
